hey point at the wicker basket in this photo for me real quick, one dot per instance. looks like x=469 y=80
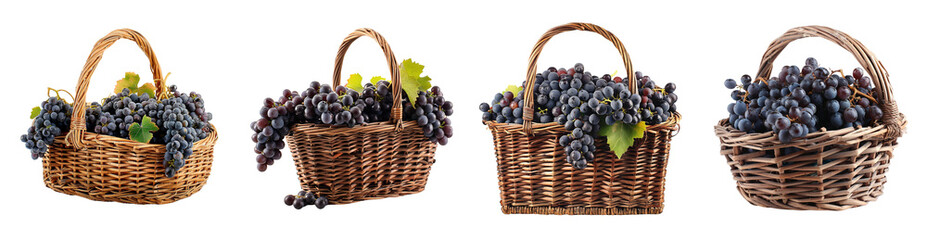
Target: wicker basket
x=534 y=177
x=827 y=170
x=106 y=168
x=371 y=161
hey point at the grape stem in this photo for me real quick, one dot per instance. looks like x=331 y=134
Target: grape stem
x=58 y=94
x=857 y=92
x=761 y=79
x=165 y=94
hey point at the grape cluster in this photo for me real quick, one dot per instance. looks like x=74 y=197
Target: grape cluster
x=320 y=103
x=342 y=106
x=304 y=198
x=430 y=112
x=270 y=129
x=583 y=103
x=54 y=119
x=802 y=100
x=181 y=119
x=376 y=102
x=184 y=121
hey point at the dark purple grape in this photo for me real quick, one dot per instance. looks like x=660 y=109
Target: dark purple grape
x=850 y=115
x=289 y=199
x=321 y=202
x=858 y=73
x=865 y=82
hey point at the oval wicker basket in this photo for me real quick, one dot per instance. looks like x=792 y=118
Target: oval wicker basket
x=371 y=161
x=534 y=177
x=827 y=170
x=106 y=168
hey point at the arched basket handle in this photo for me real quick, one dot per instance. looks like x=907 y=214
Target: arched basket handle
x=396 y=82
x=868 y=60
x=528 y=111
x=78 y=121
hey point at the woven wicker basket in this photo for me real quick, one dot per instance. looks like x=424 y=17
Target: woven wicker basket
x=106 y=168
x=534 y=177
x=828 y=170
x=371 y=161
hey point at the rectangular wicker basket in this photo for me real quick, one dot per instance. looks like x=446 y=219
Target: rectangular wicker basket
x=535 y=178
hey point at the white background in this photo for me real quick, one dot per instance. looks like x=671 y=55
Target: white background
x=235 y=54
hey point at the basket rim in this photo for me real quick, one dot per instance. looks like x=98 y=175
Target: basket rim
x=768 y=141
x=329 y=129
x=672 y=124
x=208 y=141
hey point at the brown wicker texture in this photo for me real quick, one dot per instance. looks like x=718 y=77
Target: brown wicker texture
x=107 y=168
x=371 y=161
x=827 y=170
x=534 y=177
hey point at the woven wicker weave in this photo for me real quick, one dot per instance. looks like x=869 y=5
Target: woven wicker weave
x=827 y=170
x=107 y=168
x=534 y=177
x=372 y=161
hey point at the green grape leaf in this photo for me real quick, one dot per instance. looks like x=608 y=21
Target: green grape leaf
x=620 y=136
x=410 y=72
x=142 y=132
x=146 y=88
x=376 y=79
x=354 y=82
x=35 y=112
x=130 y=82
x=424 y=83
x=514 y=89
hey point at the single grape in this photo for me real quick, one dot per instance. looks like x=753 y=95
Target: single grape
x=289 y=199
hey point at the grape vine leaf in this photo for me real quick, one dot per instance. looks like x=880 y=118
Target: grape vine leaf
x=376 y=79
x=354 y=82
x=620 y=136
x=514 y=89
x=130 y=81
x=142 y=132
x=35 y=112
x=410 y=72
x=146 y=88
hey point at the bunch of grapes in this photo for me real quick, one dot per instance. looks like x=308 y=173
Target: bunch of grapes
x=270 y=129
x=304 y=198
x=54 y=119
x=342 y=106
x=803 y=100
x=430 y=112
x=583 y=103
x=376 y=102
x=184 y=122
x=181 y=119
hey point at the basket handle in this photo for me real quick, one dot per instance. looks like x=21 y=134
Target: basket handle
x=396 y=115
x=867 y=59
x=78 y=121
x=528 y=111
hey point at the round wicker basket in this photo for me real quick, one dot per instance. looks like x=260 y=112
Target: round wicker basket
x=826 y=170
x=106 y=168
